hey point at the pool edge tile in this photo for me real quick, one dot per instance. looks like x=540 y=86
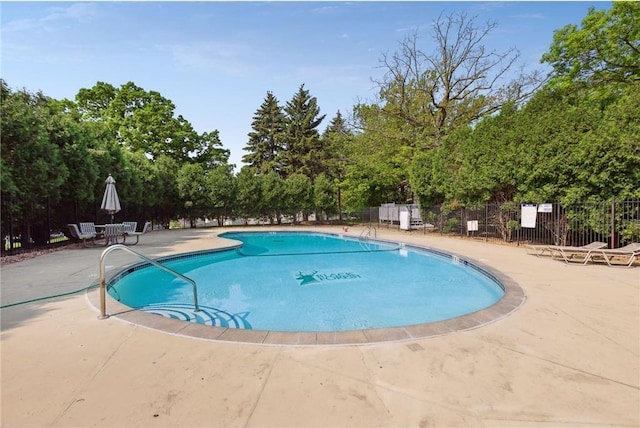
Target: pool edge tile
x=387 y=334
x=350 y=337
x=202 y=331
x=156 y=322
x=243 y=335
x=419 y=331
x=290 y=338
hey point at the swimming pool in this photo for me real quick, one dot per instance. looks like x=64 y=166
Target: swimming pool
x=312 y=282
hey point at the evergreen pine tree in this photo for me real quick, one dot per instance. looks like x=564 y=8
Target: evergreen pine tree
x=338 y=126
x=303 y=146
x=266 y=140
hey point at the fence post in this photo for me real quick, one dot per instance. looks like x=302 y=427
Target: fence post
x=613 y=223
x=48 y=221
x=486 y=221
x=556 y=228
x=10 y=228
x=371 y=216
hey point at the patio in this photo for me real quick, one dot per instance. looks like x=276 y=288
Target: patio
x=570 y=356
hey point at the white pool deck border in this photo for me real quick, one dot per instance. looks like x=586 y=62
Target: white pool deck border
x=567 y=356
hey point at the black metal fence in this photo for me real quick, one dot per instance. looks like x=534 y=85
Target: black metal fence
x=614 y=222
x=50 y=230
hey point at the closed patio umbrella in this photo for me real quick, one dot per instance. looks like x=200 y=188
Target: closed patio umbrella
x=110 y=201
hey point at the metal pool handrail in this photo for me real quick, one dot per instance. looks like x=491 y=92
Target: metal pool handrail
x=103 y=287
x=366 y=232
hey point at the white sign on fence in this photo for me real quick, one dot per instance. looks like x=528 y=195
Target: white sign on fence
x=528 y=216
x=472 y=225
x=545 y=208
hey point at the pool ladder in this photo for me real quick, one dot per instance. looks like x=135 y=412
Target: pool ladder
x=364 y=237
x=103 y=286
x=366 y=233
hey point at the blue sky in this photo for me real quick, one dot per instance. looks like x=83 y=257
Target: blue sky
x=217 y=60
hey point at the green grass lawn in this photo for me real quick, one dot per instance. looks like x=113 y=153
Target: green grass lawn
x=52 y=240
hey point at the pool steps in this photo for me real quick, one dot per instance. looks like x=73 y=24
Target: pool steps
x=103 y=282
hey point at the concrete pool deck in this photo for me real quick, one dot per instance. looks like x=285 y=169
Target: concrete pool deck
x=569 y=356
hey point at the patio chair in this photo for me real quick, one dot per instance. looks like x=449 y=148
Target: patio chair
x=77 y=234
x=580 y=254
x=113 y=232
x=130 y=226
x=145 y=229
x=88 y=228
x=624 y=256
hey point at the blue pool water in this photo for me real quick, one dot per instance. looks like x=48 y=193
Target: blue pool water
x=292 y=281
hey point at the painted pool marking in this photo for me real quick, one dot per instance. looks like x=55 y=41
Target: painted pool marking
x=316 y=276
x=207 y=315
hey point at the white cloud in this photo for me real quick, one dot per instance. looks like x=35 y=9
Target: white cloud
x=41 y=40
x=78 y=12
x=227 y=58
x=335 y=75
x=412 y=28
x=20 y=25
x=529 y=16
x=325 y=9
x=16 y=51
x=82 y=12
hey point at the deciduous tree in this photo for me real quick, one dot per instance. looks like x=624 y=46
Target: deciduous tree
x=32 y=166
x=248 y=193
x=298 y=195
x=222 y=189
x=604 y=49
x=457 y=83
x=324 y=195
x=193 y=191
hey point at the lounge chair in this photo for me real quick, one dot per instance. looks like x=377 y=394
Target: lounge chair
x=580 y=254
x=618 y=256
x=538 y=249
x=77 y=234
x=145 y=229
